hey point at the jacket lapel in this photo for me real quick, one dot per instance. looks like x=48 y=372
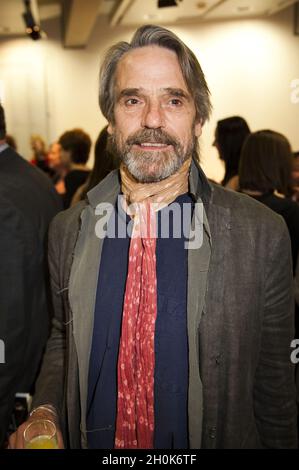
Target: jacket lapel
x=198 y=266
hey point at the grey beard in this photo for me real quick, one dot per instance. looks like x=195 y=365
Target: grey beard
x=166 y=164
x=137 y=166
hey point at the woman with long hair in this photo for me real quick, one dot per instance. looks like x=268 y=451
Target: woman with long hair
x=229 y=138
x=265 y=174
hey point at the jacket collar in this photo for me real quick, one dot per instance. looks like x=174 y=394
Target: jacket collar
x=106 y=190
x=199 y=186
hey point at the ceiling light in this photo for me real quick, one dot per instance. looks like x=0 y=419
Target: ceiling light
x=32 y=28
x=167 y=3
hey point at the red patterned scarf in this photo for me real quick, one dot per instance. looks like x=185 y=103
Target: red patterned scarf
x=136 y=361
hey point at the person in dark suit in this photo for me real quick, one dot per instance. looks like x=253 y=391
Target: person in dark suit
x=28 y=202
x=158 y=341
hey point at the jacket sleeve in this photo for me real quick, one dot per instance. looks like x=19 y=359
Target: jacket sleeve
x=50 y=383
x=274 y=388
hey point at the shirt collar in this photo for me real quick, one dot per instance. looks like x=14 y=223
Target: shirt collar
x=3 y=147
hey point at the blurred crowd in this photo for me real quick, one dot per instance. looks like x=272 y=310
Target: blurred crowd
x=65 y=162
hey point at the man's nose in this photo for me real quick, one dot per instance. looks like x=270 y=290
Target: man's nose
x=153 y=116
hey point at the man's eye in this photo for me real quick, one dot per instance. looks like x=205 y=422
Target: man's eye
x=132 y=102
x=176 y=102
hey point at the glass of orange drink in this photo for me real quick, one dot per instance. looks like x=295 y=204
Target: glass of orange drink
x=40 y=434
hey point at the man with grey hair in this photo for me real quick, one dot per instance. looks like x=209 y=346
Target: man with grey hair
x=155 y=345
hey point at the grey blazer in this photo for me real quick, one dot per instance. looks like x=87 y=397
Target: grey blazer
x=239 y=315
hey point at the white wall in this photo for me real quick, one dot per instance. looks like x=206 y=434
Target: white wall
x=249 y=66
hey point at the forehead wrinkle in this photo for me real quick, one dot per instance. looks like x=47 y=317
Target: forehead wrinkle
x=149 y=73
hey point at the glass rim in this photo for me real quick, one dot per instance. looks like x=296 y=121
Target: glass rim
x=36 y=422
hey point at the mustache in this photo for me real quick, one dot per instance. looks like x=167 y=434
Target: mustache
x=152 y=135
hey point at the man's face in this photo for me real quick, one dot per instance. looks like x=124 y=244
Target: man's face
x=54 y=155
x=154 y=129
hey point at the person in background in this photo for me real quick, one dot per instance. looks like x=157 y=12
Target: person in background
x=74 y=152
x=265 y=174
x=28 y=202
x=39 y=157
x=104 y=162
x=11 y=141
x=229 y=137
x=59 y=170
x=159 y=342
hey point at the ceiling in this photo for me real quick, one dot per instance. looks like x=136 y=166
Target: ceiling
x=79 y=16
x=140 y=11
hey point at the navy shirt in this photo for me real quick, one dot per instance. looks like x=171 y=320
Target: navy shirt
x=171 y=343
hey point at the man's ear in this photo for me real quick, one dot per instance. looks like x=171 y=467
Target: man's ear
x=198 y=128
x=110 y=129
